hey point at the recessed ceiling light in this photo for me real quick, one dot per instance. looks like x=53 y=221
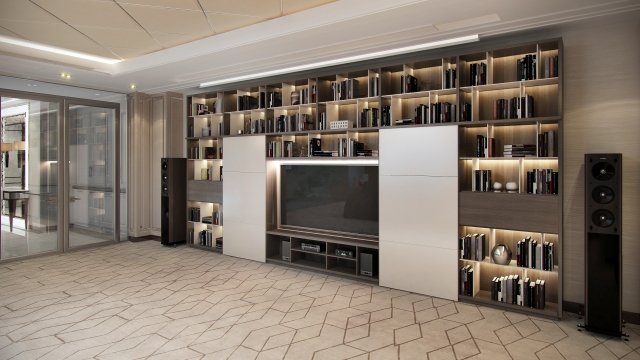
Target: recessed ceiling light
x=56 y=50
x=132 y=86
x=65 y=75
x=96 y=94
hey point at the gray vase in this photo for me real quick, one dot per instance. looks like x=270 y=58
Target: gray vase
x=501 y=254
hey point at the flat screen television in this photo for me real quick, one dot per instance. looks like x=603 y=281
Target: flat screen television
x=333 y=198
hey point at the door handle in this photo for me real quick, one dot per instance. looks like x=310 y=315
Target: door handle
x=73 y=198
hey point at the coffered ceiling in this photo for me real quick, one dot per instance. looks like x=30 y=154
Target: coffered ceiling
x=124 y=29
x=178 y=44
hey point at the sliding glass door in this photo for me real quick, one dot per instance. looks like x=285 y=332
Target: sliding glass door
x=59 y=174
x=29 y=177
x=92 y=188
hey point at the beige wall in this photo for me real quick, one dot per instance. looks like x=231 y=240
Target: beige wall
x=601 y=114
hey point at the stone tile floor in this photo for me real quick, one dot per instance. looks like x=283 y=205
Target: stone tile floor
x=141 y=300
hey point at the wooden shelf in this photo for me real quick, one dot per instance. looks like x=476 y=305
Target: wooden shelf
x=323 y=253
x=368 y=242
x=513 y=158
x=512 y=265
x=207 y=248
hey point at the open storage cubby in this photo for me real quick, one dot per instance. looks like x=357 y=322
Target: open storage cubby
x=287 y=146
x=204 y=225
x=337 y=254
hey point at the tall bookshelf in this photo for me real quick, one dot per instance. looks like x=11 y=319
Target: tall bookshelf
x=511 y=144
x=471 y=90
x=206 y=124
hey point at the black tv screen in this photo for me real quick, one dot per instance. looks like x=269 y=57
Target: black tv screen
x=341 y=198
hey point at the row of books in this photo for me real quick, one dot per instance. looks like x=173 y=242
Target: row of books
x=345 y=89
x=550 y=67
x=485 y=147
x=440 y=112
x=535 y=255
x=514 y=108
x=543 y=181
x=449 y=78
x=193 y=214
x=511 y=289
x=202 y=152
x=351 y=148
x=257 y=126
x=205 y=238
x=465 y=112
x=478 y=74
x=547 y=144
x=467 y=287
x=481 y=180
x=472 y=247
x=519 y=150
x=287 y=123
x=269 y=99
x=526 y=67
x=408 y=84
x=284 y=149
x=247 y=102
x=369 y=117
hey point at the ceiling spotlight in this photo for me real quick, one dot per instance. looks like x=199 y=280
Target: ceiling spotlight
x=132 y=86
x=65 y=75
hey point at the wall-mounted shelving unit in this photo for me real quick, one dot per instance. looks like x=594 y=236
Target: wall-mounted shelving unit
x=506 y=105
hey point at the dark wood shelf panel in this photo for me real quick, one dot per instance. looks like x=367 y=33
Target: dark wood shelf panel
x=322 y=253
x=343 y=270
x=484 y=298
x=508 y=122
x=299 y=265
x=204 y=191
x=527 y=212
x=207 y=248
x=342 y=257
x=310 y=263
x=371 y=243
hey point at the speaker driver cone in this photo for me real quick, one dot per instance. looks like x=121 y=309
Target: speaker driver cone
x=602 y=194
x=603 y=218
x=603 y=171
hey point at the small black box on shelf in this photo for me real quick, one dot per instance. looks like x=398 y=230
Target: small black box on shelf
x=285 y=250
x=366 y=264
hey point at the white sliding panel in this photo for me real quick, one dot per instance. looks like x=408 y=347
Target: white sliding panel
x=244 y=197
x=419 y=210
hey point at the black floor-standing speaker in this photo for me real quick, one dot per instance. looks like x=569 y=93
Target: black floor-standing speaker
x=603 y=243
x=174 y=201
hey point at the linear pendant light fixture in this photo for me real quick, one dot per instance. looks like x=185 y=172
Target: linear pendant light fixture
x=348 y=59
x=57 y=50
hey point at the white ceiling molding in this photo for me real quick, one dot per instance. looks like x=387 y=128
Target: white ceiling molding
x=337 y=29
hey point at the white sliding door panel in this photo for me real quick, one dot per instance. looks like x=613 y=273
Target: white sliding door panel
x=244 y=154
x=429 y=151
x=245 y=241
x=244 y=197
x=419 y=210
x=423 y=270
x=244 y=193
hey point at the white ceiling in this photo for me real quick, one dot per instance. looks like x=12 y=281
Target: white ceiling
x=125 y=29
x=156 y=37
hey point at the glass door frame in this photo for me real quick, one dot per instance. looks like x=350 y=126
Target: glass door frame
x=63 y=127
x=66 y=188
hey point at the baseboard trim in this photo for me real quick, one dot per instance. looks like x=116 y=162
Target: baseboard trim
x=578 y=308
